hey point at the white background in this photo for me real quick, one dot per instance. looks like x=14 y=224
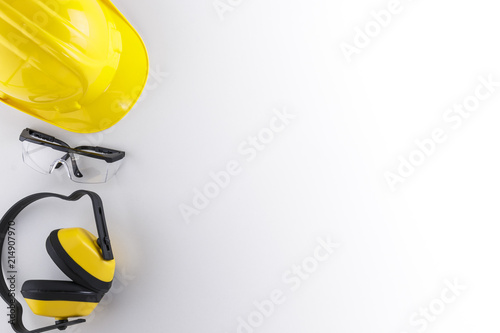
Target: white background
x=321 y=177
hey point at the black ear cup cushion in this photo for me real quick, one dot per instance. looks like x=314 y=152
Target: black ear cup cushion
x=44 y=290
x=69 y=267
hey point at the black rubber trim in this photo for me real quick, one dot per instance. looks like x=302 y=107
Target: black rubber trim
x=44 y=290
x=69 y=267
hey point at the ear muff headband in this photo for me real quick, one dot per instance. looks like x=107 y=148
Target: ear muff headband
x=103 y=241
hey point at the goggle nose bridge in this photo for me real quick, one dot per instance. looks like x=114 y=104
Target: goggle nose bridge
x=57 y=164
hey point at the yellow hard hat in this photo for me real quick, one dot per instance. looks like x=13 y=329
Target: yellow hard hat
x=77 y=64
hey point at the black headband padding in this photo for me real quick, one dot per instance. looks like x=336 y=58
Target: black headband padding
x=69 y=267
x=104 y=242
x=44 y=290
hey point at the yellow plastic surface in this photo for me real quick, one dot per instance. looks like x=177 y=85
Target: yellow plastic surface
x=61 y=309
x=77 y=64
x=82 y=247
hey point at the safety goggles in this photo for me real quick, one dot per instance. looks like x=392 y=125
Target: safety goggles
x=84 y=164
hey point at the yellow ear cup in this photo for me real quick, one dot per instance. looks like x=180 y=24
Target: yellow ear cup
x=59 y=299
x=61 y=309
x=77 y=253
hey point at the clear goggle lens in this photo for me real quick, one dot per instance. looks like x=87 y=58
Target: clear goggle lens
x=80 y=168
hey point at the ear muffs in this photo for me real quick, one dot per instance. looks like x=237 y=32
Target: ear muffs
x=59 y=299
x=88 y=261
x=76 y=252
